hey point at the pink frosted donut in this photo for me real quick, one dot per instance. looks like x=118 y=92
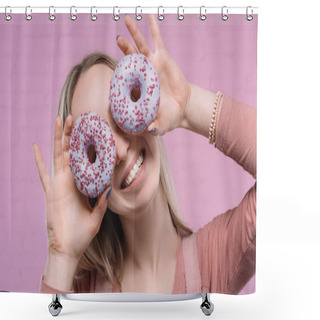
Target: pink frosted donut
x=134 y=70
x=92 y=178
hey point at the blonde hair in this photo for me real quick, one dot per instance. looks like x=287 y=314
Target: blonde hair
x=105 y=254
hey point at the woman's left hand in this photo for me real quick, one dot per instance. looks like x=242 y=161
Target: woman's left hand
x=175 y=90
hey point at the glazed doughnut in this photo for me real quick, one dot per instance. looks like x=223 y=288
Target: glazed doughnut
x=92 y=178
x=134 y=70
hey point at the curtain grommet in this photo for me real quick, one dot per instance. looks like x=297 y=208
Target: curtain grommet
x=180 y=15
x=52 y=17
x=203 y=15
x=249 y=17
x=160 y=16
x=224 y=13
x=93 y=17
x=116 y=17
x=73 y=16
x=28 y=16
x=6 y=15
x=138 y=16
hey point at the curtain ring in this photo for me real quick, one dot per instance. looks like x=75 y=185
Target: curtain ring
x=203 y=15
x=73 y=16
x=224 y=13
x=160 y=16
x=116 y=17
x=180 y=15
x=28 y=16
x=138 y=16
x=6 y=15
x=52 y=16
x=249 y=17
x=93 y=16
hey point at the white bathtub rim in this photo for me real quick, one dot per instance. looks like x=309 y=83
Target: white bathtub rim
x=129 y=297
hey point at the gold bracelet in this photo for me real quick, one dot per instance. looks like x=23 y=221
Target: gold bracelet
x=217 y=121
x=212 y=127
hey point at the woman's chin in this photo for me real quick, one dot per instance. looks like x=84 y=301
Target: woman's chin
x=136 y=202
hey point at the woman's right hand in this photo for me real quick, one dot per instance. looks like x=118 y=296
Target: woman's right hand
x=71 y=222
x=175 y=89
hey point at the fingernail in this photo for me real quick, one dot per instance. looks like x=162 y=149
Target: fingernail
x=108 y=194
x=117 y=37
x=152 y=130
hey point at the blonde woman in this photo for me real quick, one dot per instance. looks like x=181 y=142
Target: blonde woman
x=132 y=238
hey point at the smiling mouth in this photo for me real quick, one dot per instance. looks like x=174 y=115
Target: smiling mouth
x=134 y=172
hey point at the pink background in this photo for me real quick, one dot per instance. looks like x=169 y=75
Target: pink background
x=36 y=56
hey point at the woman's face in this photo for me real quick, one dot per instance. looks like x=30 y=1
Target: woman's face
x=132 y=189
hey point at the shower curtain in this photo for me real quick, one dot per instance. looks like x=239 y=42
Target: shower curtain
x=188 y=224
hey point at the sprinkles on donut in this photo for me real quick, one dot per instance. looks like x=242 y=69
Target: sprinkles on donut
x=92 y=130
x=134 y=71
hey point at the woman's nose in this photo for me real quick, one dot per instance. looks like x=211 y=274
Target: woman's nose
x=122 y=142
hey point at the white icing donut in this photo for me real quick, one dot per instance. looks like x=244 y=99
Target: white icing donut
x=92 y=178
x=134 y=70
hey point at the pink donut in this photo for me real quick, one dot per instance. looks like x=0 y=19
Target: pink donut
x=92 y=178
x=134 y=70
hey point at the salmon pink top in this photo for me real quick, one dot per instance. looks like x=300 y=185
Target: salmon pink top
x=219 y=257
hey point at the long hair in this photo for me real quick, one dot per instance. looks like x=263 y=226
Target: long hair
x=105 y=253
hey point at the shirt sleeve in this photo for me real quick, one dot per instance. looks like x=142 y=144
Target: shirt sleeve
x=227 y=248
x=236 y=134
x=227 y=243
x=83 y=285
x=45 y=288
